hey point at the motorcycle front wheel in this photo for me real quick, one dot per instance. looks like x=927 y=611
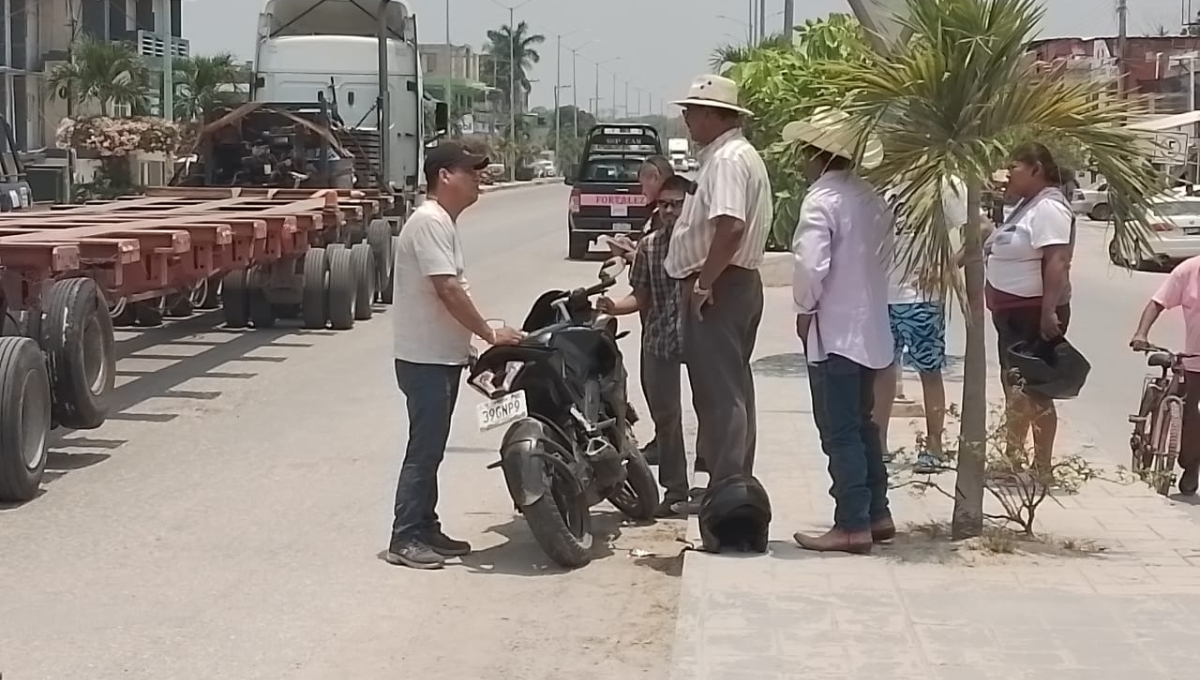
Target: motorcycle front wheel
x=637 y=498
x=560 y=521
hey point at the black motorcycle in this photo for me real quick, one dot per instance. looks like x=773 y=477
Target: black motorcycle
x=570 y=443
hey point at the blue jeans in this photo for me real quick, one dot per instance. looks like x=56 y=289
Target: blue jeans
x=843 y=395
x=430 y=392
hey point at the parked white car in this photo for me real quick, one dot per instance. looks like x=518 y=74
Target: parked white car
x=1092 y=202
x=1176 y=224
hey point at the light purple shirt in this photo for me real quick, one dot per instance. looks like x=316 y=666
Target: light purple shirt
x=841 y=246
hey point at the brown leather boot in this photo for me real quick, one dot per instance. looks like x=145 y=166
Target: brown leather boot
x=837 y=540
x=883 y=529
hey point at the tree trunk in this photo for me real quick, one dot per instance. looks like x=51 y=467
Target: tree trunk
x=972 y=446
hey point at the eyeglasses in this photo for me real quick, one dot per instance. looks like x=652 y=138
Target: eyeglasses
x=670 y=204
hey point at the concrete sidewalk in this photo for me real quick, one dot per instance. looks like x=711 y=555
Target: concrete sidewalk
x=1112 y=595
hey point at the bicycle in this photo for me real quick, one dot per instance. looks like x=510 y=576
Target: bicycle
x=1158 y=424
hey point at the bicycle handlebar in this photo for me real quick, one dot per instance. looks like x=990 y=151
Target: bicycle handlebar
x=1150 y=349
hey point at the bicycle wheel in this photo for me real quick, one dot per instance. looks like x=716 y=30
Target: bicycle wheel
x=1144 y=437
x=1169 y=424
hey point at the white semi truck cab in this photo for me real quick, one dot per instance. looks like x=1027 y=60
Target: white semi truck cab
x=311 y=50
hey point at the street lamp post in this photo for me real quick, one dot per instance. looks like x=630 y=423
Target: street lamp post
x=558 y=155
x=596 y=110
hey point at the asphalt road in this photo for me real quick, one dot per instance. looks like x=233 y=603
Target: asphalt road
x=229 y=521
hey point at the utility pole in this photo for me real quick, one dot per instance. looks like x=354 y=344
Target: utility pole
x=448 y=32
x=626 y=98
x=575 y=92
x=557 y=107
x=1122 y=52
x=789 y=18
x=751 y=25
x=512 y=93
x=762 y=20
x=168 y=101
x=614 y=99
x=596 y=107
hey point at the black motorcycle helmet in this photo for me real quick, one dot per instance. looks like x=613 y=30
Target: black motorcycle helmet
x=735 y=514
x=1053 y=369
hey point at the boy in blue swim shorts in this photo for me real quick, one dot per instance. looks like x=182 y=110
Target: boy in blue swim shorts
x=918 y=320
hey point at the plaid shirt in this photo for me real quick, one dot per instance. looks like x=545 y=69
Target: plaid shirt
x=662 y=324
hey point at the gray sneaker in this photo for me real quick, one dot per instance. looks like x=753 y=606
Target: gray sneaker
x=415 y=555
x=445 y=546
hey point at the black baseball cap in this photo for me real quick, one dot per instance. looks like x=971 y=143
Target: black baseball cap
x=450 y=155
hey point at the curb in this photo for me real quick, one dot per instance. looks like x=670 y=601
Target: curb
x=505 y=186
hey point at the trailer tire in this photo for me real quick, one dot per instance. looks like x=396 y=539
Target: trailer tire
x=363 y=260
x=262 y=314
x=77 y=336
x=315 y=305
x=25 y=418
x=211 y=297
x=234 y=299
x=379 y=237
x=343 y=290
x=149 y=313
x=388 y=294
x=180 y=306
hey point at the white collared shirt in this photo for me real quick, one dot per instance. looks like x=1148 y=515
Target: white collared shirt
x=732 y=182
x=842 y=247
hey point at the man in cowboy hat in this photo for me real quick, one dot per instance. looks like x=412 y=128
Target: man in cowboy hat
x=842 y=244
x=715 y=252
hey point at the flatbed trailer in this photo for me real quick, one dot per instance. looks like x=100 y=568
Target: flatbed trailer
x=68 y=273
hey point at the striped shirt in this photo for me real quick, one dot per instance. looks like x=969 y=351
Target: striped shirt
x=732 y=182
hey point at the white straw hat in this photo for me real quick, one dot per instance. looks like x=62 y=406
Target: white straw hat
x=831 y=131
x=715 y=92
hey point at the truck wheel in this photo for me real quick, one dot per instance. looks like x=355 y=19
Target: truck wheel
x=578 y=247
x=149 y=313
x=387 y=294
x=363 y=260
x=315 y=305
x=234 y=302
x=77 y=336
x=24 y=418
x=262 y=314
x=343 y=289
x=379 y=237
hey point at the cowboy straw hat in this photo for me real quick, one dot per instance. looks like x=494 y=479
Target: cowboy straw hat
x=714 y=92
x=831 y=131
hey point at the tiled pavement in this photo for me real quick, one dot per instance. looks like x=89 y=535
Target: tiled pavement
x=1122 y=607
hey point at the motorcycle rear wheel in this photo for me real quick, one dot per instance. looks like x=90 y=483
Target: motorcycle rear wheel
x=561 y=523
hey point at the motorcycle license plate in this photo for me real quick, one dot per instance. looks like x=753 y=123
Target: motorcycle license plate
x=502 y=411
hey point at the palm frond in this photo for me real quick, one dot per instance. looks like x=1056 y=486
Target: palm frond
x=955 y=101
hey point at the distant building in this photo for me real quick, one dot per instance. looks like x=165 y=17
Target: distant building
x=1157 y=66
x=47 y=31
x=452 y=75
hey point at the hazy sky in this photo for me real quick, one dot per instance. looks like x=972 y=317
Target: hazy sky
x=662 y=44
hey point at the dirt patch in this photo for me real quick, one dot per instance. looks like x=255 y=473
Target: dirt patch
x=929 y=543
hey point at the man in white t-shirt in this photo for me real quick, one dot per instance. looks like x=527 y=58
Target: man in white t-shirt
x=918 y=322
x=434 y=320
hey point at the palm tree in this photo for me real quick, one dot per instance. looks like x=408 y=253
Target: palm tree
x=199 y=82
x=507 y=48
x=729 y=55
x=105 y=72
x=953 y=101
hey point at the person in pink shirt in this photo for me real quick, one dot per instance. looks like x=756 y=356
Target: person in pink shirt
x=1181 y=290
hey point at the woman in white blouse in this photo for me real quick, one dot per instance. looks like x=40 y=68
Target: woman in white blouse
x=1028 y=285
